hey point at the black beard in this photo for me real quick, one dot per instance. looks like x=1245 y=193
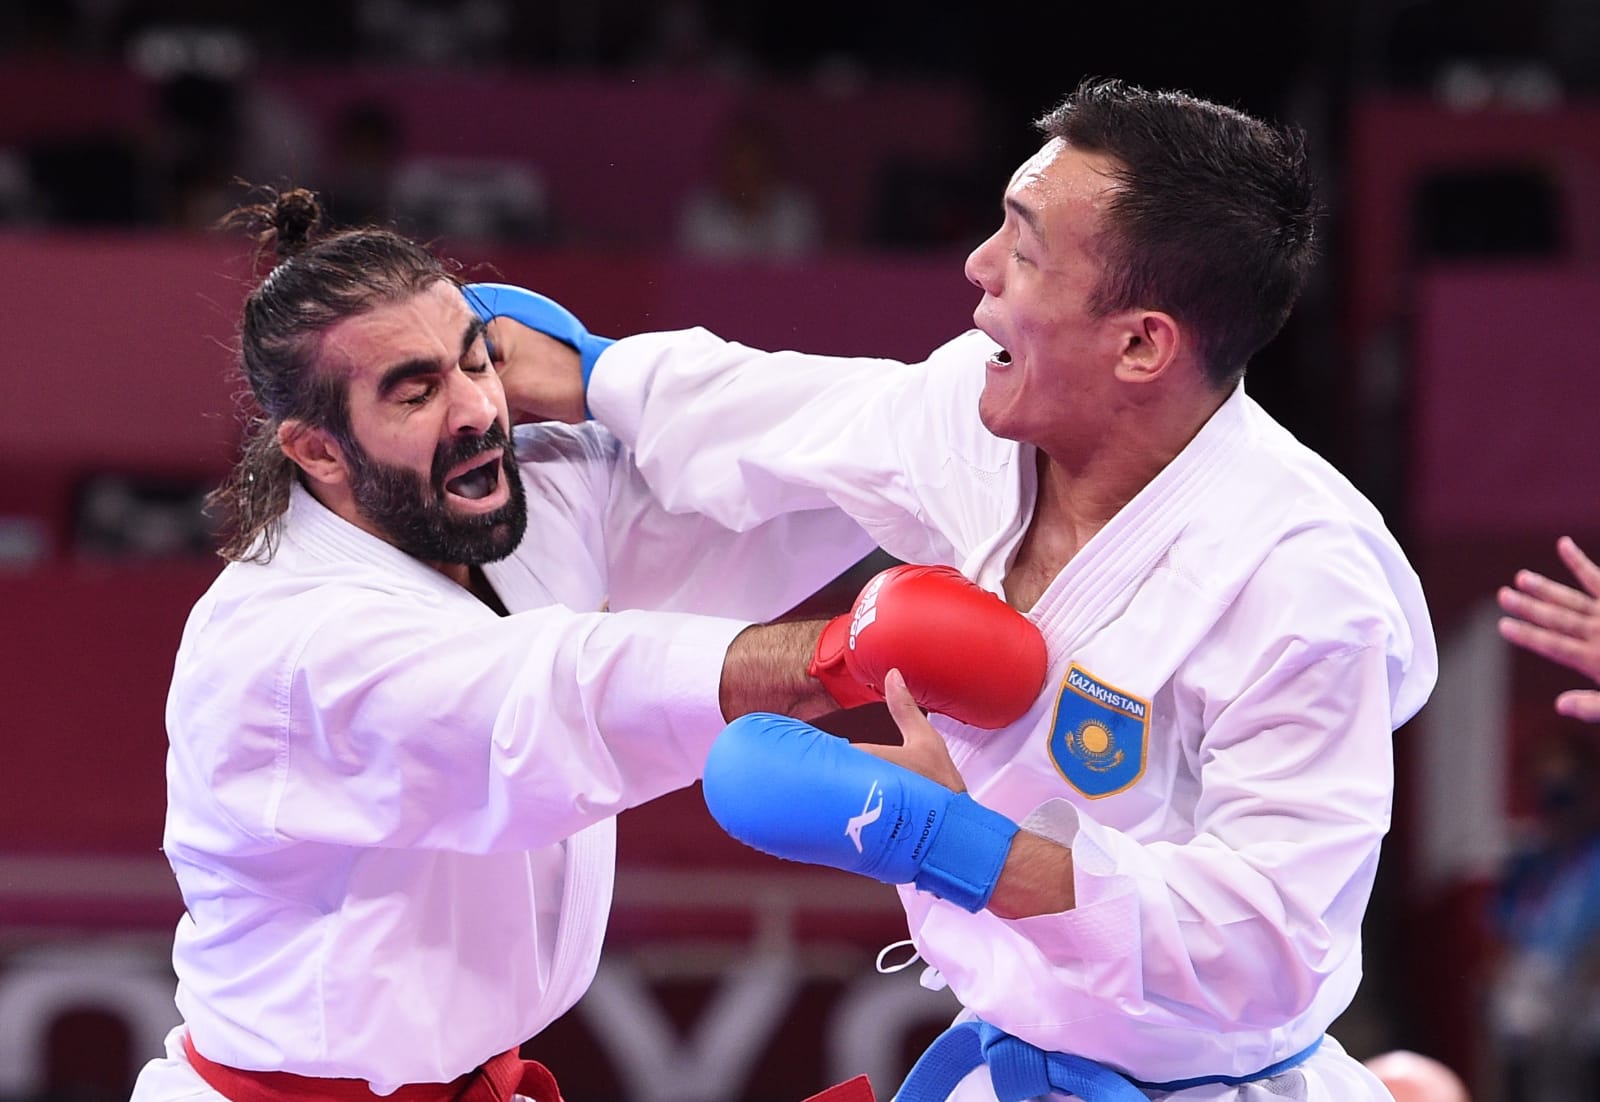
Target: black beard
x=413 y=515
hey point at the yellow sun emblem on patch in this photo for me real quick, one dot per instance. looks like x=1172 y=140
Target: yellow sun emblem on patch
x=1094 y=746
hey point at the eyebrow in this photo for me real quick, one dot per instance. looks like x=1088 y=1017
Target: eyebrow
x=1027 y=214
x=410 y=369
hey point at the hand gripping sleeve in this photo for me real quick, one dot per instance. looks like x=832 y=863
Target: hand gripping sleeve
x=788 y=789
x=536 y=311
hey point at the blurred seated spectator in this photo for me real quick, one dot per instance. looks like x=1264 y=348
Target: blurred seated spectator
x=1544 y=1005
x=214 y=123
x=923 y=205
x=467 y=199
x=362 y=165
x=749 y=207
x=123 y=515
x=90 y=180
x=436 y=32
x=19 y=204
x=198 y=129
x=683 y=37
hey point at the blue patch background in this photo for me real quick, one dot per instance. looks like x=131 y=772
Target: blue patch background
x=1097 y=776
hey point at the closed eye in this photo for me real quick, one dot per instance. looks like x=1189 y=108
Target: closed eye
x=422 y=393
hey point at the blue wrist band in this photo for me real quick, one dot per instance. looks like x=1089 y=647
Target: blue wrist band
x=965 y=858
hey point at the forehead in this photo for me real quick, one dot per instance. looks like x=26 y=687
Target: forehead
x=424 y=326
x=1059 y=180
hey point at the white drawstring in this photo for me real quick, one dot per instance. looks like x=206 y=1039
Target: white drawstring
x=891 y=969
x=930 y=978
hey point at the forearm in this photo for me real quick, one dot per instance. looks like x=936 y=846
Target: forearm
x=744 y=436
x=765 y=671
x=1036 y=879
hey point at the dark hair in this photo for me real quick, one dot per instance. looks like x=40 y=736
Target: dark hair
x=1213 y=221
x=315 y=283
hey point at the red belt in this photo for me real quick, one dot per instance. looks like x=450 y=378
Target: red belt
x=496 y=1081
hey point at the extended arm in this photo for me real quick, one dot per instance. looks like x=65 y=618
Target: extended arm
x=745 y=436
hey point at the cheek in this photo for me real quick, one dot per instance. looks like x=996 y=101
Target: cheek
x=1038 y=336
x=403 y=442
x=1055 y=334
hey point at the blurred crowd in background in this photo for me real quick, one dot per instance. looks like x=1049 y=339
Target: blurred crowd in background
x=215 y=123
x=216 y=118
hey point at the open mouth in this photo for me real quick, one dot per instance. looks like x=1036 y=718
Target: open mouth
x=1001 y=358
x=478 y=481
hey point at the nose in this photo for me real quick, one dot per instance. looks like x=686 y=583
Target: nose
x=472 y=408
x=980 y=268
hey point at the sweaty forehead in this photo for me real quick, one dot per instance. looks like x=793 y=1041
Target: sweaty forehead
x=1031 y=173
x=1063 y=191
x=424 y=326
x=1059 y=170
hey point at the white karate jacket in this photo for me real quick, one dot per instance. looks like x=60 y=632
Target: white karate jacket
x=390 y=810
x=1229 y=658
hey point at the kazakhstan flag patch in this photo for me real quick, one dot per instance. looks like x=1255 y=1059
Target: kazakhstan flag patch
x=1099 y=736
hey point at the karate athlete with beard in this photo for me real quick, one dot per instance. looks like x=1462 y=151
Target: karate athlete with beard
x=1204 y=783
x=400 y=723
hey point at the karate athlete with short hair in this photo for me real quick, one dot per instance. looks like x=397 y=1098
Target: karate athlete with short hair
x=400 y=723
x=1233 y=634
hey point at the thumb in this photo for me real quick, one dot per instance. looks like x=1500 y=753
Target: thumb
x=903 y=709
x=922 y=749
x=1581 y=704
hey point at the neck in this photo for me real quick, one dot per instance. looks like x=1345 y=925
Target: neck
x=1082 y=487
x=474 y=581
x=478 y=583
x=338 y=500
x=459 y=573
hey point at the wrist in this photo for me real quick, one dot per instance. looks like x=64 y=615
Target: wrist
x=830 y=667
x=589 y=349
x=966 y=857
x=765 y=670
x=1037 y=879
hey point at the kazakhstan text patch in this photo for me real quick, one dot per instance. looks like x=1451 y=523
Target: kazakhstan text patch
x=1099 y=736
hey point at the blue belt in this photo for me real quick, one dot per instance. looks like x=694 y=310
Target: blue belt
x=1020 y=1070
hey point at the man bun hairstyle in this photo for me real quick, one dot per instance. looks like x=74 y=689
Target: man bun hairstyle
x=282 y=223
x=316 y=279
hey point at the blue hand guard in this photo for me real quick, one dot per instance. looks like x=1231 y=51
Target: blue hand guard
x=788 y=789
x=502 y=300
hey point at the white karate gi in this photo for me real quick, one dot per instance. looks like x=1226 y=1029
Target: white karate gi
x=390 y=810
x=1229 y=658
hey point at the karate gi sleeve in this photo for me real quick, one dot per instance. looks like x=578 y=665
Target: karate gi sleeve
x=744 y=436
x=655 y=558
x=393 y=725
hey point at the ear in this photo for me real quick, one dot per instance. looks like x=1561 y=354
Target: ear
x=314 y=451
x=1151 y=346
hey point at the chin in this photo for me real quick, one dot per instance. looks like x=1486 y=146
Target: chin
x=995 y=417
